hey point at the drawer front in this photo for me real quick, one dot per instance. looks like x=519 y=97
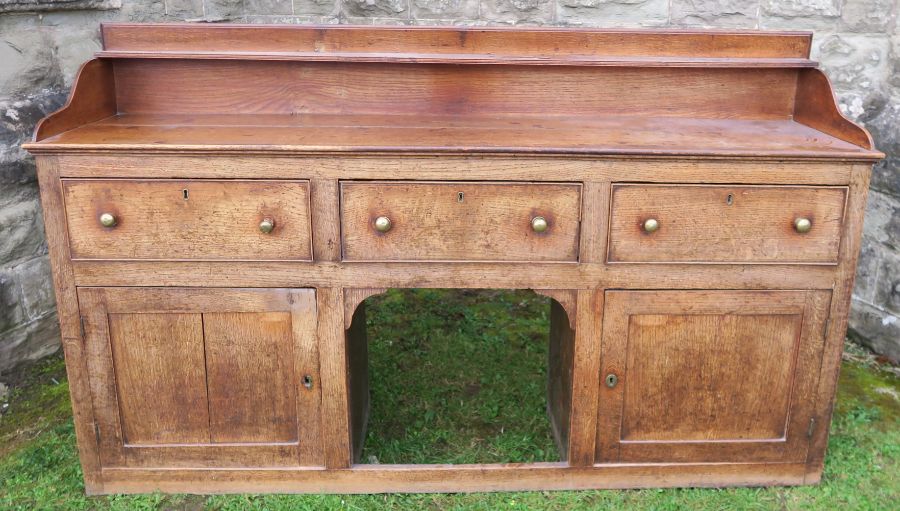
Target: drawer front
x=188 y=219
x=460 y=221
x=725 y=224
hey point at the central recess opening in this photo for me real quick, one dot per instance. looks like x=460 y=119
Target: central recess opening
x=459 y=376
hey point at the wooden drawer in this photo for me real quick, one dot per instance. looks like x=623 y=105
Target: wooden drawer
x=725 y=224
x=188 y=219
x=460 y=221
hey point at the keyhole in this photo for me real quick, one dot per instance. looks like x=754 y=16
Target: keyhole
x=611 y=380
x=184 y=194
x=307 y=381
x=460 y=197
x=730 y=199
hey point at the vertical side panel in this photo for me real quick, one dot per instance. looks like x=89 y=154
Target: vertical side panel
x=559 y=376
x=594 y=221
x=326 y=222
x=99 y=365
x=612 y=362
x=358 y=363
x=306 y=364
x=250 y=376
x=74 y=346
x=583 y=420
x=333 y=366
x=160 y=377
x=837 y=320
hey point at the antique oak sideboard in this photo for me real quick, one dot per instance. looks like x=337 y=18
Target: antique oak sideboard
x=220 y=200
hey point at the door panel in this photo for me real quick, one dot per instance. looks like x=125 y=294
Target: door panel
x=249 y=369
x=203 y=377
x=160 y=382
x=709 y=376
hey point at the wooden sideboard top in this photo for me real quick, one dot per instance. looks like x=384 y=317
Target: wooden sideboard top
x=297 y=89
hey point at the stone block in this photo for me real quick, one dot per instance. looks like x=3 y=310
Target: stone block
x=375 y=8
x=872 y=16
x=268 y=7
x=74 y=47
x=715 y=13
x=31 y=341
x=867 y=270
x=875 y=328
x=444 y=9
x=317 y=7
x=854 y=63
x=887 y=292
x=27 y=63
x=802 y=8
x=800 y=14
x=614 y=13
x=882 y=222
x=884 y=125
x=56 y=5
x=518 y=11
x=185 y=9
x=36 y=286
x=23 y=232
x=12 y=312
x=224 y=10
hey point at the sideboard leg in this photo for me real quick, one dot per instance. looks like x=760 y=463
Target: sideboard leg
x=333 y=373
x=585 y=378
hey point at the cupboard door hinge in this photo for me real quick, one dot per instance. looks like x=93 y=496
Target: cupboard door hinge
x=812 y=428
x=97 y=432
x=827 y=327
x=82 y=326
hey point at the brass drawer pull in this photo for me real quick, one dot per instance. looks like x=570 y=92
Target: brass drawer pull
x=802 y=225
x=267 y=225
x=651 y=225
x=383 y=224
x=108 y=220
x=539 y=224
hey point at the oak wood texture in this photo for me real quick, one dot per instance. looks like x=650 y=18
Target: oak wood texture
x=67 y=310
x=707 y=376
x=454 y=479
x=538 y=45
x=216 y=358
x=620 y=133
x=460 y=221
x=175 y=220
x=200 y=377
x=93 y=98
x=718 y=224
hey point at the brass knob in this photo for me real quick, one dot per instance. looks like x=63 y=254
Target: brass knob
x=108 y=220
x=382 y=224
x=802 y=225
x=651 y=225
x=538 y=224
x=267 y=225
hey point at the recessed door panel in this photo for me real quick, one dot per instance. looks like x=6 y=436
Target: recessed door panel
x=708 y=376
x=204 y=377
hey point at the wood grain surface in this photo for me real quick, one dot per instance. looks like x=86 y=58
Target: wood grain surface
x=188 y=219
x=460 y=221
x=753 y=224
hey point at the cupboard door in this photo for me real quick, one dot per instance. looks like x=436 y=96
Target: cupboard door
x=709 y=376
x=203 y=377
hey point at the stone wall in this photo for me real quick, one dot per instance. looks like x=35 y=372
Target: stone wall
x=42 y=43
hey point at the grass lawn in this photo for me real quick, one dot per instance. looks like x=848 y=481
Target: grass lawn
x=459 y=377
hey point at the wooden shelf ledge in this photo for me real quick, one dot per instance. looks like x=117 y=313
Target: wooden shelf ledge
x=470 y=58
x=607 y=135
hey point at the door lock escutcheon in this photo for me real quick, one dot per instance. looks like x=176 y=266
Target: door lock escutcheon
x=611 y=380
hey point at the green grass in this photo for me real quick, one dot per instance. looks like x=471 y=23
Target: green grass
x=475 y=362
